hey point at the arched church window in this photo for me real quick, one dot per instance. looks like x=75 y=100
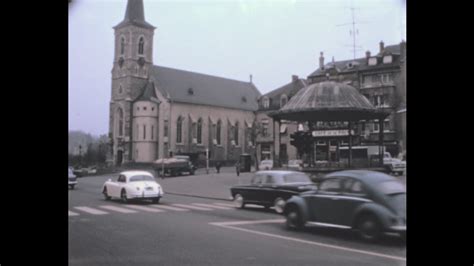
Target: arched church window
x=141 y=44
x=236 y=134
x=218 y=132
x=122 y=45
x=199 y=131
x=179 y=127
x=120 y=122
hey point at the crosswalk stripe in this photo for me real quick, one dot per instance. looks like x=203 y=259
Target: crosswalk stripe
x=143 y=208
x=117 y=209
x=73 y=213
x=91 y=210
x=212 y=206
x=170 y=208
x=192 y=207
x=224 y=204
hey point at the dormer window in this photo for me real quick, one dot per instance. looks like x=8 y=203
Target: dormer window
x=190 y=91
x=372 y=61
x=266 y=102
x=244 y=99
x=387 y=59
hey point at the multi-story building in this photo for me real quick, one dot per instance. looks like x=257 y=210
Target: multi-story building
x=381 y=79
x=273 y=137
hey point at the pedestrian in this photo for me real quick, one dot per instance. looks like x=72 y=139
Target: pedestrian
x=218 y=167
x=237 y=168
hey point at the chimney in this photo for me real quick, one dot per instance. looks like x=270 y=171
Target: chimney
x=381 y=46
x=250 y=78
x=321 y=60
x=367 y=54
x=294 y=78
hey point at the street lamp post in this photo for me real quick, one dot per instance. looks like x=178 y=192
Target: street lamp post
x=207 y=160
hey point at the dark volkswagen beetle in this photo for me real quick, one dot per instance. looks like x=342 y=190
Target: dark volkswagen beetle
x=370 y=202
x=271 y=188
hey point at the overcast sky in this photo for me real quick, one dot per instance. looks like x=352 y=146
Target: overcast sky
x=270 y=39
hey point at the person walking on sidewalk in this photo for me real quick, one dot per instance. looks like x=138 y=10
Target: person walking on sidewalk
x=237 y=168
x=218 y=167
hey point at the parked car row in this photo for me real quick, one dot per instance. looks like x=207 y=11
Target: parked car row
x=369 y=202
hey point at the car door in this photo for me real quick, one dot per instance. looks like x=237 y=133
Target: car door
x=354 y=194
x=250 y=192
x=115 y=187
x=325 y=205
x=269 y=190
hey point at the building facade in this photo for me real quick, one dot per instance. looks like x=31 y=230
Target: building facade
x=157 y=111
x=381 y=78
x=273 y=137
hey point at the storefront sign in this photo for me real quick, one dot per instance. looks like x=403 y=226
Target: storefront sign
x=331 y=133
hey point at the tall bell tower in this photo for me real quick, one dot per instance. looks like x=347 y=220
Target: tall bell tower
x=133 y=58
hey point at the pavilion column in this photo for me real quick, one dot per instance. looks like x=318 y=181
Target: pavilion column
x=350 y=144
x=381 y=150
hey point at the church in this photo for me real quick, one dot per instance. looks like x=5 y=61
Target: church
x=157 y=111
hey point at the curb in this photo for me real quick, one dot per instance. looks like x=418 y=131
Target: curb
x=197 y=196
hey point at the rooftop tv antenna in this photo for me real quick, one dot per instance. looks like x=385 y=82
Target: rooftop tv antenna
x=353 y=32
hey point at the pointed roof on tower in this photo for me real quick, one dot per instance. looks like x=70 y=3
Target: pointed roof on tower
x=135 y=15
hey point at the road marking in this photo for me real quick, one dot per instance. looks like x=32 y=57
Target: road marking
x=229 y=226
x=73 y=213
x=249 y=222
x=212 y=206
x=170 y=208
x=117 y=209
x=143 y=208
x=192 y=207
x=91 y=210
x=225 y=204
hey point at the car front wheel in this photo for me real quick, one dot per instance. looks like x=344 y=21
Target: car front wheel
x=106 y=196
x=294 y=220
x=239 y=201
x=123 y=196
x=155 y=200
x=369 y=228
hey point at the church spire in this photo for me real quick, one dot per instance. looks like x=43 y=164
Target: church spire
x=135 y=11
x=135 y=15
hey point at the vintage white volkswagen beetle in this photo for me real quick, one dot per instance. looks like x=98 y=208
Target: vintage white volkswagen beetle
x=133 y=185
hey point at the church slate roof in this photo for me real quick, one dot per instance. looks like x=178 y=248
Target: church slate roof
x=148 y=93
x=191 y=87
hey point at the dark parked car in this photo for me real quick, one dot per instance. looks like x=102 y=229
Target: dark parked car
x=369 y=202
x=271 y=188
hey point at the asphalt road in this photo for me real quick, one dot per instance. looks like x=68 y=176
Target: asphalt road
x=176 y=232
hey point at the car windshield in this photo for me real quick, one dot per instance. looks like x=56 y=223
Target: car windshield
x=296 y=178
x=391 y=187
x=137 y=178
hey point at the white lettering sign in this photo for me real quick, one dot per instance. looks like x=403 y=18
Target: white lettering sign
x=330 y=133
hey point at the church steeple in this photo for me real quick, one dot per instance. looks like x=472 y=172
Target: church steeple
x=135 y=15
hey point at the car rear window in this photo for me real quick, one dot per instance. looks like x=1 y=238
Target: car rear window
x=391 y=187
x=141 y=178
